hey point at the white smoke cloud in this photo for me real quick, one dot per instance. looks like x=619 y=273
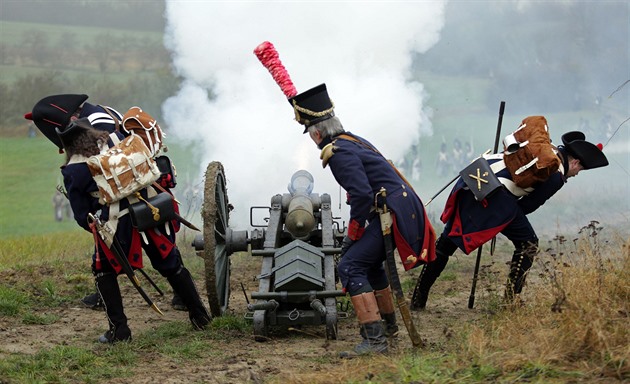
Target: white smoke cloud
x=361 y=50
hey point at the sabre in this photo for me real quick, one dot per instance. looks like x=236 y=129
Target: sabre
x=112 y=242
x=392 y=273
x=441 y=190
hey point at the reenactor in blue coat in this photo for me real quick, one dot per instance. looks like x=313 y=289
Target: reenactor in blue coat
x=82 y=130
x=362 y=171
x=56 y=112
x=470 y=223
x=80 y=141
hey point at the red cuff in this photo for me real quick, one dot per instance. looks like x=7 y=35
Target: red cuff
x=355 y=230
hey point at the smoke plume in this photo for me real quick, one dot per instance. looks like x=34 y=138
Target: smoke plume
x=229 y=104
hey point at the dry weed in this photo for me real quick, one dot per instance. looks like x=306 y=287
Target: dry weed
x=576 y=316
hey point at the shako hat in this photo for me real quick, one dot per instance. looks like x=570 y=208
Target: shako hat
x=312 y=106
x=54 y=112
x=590 y=155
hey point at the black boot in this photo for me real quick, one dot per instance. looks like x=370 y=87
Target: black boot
x=444 y=248
x=177 y=303
x=93 y=301
x=430 y=273
x=391 y=327
x=522 y=261
x=108 y=289
x=374 y=340
x=185 y=288
x=371 y=326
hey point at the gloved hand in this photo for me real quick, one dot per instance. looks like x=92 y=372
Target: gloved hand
x=346 y=243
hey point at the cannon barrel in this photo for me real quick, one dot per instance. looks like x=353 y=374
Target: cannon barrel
x=300 y=205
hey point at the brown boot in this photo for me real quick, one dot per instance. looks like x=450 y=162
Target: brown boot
x=371 y=327
x=385 y=302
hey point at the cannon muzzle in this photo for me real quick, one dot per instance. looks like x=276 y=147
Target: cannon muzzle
x=300 y=219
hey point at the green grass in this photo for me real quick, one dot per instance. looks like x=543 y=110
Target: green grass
x=30 y=168
x=13 y=33
x=80 y=364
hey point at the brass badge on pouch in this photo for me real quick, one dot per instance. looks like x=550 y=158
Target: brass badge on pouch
x=480 y=179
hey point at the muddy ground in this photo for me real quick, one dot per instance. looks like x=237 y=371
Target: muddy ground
x=298 y=355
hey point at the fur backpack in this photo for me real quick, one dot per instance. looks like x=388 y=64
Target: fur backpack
x=130 y=165
x=528 y=153
x=123 y=169
x=138 y=122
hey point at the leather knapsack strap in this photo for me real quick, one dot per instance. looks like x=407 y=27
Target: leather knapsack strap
x=116 y=122
x=354 y=139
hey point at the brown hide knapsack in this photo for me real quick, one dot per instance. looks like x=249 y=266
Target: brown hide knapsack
x=528 y=153
x=129 y=165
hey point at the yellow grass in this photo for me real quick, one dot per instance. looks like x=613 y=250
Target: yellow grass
x=576 y=318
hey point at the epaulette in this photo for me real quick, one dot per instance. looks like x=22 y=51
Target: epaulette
x=327 y=152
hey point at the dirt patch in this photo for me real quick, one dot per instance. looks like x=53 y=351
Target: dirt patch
x=295 y=355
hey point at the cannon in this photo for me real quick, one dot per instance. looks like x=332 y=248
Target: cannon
x=298 y=244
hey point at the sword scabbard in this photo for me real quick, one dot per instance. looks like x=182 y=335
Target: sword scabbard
x=392 y=274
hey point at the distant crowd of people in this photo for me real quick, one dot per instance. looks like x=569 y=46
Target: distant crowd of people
x=447 y=163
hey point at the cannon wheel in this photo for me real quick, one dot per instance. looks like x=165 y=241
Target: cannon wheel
x=215 y=213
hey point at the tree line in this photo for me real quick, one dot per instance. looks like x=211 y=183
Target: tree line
x=119 y=70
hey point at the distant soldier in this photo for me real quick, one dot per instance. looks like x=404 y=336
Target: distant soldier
x=416 y=164
x=469 y=154
x=457 y=156
x=59 y=205
x=441 y=163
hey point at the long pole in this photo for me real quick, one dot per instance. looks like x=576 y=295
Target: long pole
x=471 y=298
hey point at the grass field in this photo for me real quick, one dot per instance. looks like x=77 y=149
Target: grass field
x=13 y=33
x=563 y=334
x=30 y=168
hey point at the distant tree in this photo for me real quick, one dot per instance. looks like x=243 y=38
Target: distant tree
x=18 y=98
x=35 y=43
x=129 y=14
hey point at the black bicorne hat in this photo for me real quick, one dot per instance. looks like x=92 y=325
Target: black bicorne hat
x=590 y=155
x=66 y=134
x=54 y=112
x=312 y=106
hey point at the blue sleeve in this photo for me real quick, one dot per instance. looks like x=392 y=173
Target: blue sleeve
x=348 y=170
x=541 y=193
x=79 y=186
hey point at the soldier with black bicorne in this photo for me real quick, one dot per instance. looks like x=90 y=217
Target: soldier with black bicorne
x=80 y=140
x=57 y=111
x=472 y=221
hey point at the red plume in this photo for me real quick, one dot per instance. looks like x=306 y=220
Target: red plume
x=270 y=59
x=600 y=146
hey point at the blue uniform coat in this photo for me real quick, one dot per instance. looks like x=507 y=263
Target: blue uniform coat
x=471 y=223
x=362 y=171
x=82 y=191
